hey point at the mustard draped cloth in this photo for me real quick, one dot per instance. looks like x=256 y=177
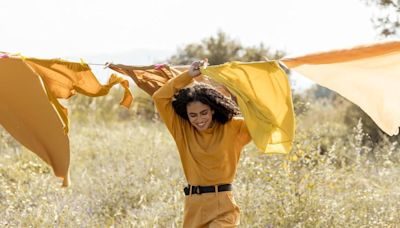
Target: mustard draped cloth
x=25 y=112
x=30 y=111
x=263 y=93
x=368 y=76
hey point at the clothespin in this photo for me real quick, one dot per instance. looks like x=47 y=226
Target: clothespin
x=106 y=65
x=82 y=62
x=21 y=56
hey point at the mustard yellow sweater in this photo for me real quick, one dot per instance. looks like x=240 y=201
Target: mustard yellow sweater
x=209 y=157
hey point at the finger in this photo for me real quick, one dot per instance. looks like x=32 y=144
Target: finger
x=205 y=61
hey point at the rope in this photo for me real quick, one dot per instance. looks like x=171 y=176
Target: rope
x=97 y=64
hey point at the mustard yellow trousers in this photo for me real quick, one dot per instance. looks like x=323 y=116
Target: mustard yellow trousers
x=216 y=209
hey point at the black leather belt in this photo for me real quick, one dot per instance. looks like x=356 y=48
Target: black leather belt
x=206 y=189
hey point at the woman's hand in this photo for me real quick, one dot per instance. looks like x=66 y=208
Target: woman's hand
x=194 y=69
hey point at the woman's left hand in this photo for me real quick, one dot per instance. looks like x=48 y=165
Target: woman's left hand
x=194 y=69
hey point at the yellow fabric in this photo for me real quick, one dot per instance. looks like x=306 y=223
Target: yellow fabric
x=264 y=97
x=209 y=157
x=30 y=111
x=25 y=112
x=211 y=210
x=366 y=75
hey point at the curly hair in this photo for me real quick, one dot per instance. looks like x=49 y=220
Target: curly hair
x=224 y=108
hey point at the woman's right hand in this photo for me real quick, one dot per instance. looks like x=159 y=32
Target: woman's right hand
x=194 y=69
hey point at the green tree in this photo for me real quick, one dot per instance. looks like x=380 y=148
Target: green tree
x=221 y=49
x=387 y=20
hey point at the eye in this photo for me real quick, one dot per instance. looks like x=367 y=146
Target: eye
x=192 y=115
x=204 y=112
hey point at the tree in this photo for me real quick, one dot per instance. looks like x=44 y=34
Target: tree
x=221 y=49
x=387 y=21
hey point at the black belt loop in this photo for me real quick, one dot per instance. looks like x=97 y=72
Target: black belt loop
x=187 y=190
x=190 y=189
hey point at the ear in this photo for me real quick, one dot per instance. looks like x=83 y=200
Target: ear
x=212 y=112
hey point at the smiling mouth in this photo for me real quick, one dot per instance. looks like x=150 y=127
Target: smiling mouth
x=201 y=124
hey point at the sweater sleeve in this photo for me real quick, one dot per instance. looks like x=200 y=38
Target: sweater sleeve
x=244 y=134
x=163 y=101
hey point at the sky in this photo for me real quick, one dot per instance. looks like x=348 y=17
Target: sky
x=150 y=30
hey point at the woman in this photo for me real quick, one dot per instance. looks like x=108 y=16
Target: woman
x=209 y=139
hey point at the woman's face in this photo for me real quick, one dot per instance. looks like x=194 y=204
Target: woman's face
x=200 y=115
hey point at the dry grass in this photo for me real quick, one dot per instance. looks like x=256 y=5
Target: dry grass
x=128 y=174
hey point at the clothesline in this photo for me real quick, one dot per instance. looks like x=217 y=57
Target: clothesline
x=97 y=64
x=106 y=64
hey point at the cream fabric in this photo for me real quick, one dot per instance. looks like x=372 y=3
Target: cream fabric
x=368 y=76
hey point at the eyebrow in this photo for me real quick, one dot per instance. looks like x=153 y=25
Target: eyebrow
x=200 y=111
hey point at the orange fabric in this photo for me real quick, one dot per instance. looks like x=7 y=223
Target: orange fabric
x=147 y=78
x=209 y=157
x=63 y=79
x=25 y=112
x=366 y=75
x=151 y=78
x=343 y=55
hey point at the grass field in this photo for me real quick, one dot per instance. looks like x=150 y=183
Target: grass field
x=128 y=174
